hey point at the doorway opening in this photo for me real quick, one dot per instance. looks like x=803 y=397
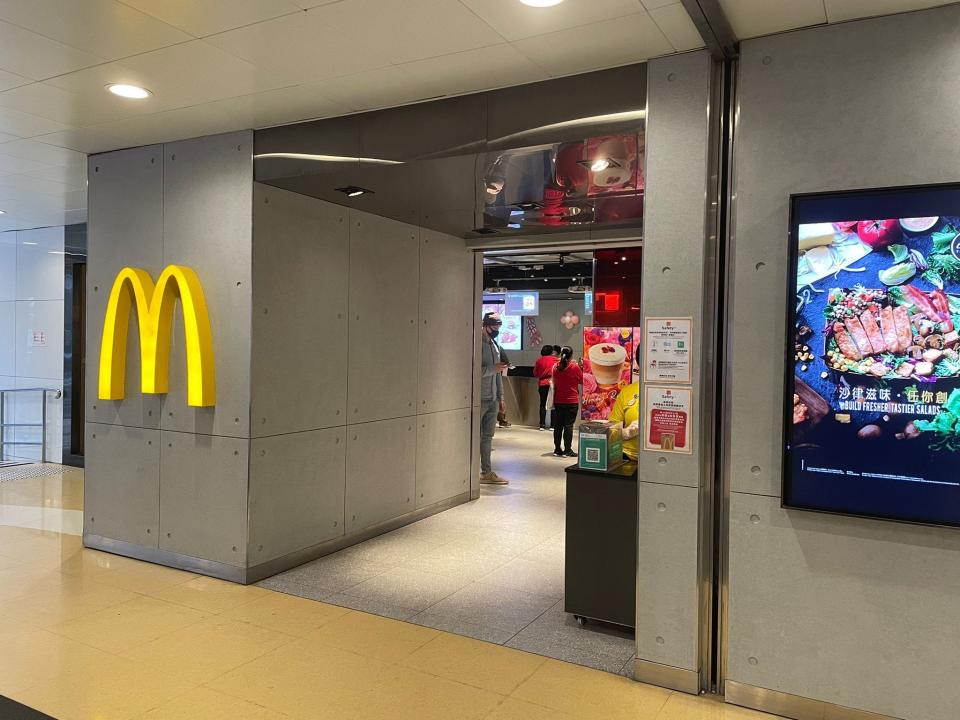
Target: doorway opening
x=496 y=568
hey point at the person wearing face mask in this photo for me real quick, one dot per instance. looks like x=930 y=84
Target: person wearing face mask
x=492 y=365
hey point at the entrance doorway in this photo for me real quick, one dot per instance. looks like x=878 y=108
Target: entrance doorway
x=494 y=568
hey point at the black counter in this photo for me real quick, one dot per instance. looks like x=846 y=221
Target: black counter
x=600 y=575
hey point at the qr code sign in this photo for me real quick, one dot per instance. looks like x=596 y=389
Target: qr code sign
x=593 y=455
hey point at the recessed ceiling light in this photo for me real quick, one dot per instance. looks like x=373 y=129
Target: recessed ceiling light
x=134 y=92
x=541 y=3
x=354 y=191
x=3 y=212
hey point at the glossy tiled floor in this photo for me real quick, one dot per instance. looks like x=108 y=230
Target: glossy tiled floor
x=88 y=635
x=490 y=569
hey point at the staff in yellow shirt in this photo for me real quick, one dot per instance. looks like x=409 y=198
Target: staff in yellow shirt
x=626 y=410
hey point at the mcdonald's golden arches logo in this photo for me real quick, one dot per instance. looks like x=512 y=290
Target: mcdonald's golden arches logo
x=155 y=305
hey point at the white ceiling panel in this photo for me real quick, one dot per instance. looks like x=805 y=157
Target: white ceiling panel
x=14 y=122
x=411 y=29
x=383 y=87
x=307 y=4
x=278 y=107
x=654 y=4
x=206 y=17
x=106 y=28
x=11 y=80
x=750 y=18
x=41 y=153
x=679 y=29
x=515 y=21
x=839 y=10
x=473 y=70
x=300 y=48
x=74 y=109
x=604 y=44
x=197 y=72
x=73 y=176
x=10 y=165
x=36 y=57
x=7 y=138
x=205 y=119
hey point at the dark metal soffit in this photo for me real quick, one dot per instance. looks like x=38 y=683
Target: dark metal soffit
x=714 y=28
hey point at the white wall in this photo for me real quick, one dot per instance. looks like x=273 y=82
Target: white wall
x=31 y=299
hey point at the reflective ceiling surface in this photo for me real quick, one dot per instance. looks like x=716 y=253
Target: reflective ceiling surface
x=221 y=65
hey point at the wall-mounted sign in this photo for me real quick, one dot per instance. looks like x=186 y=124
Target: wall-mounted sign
x=872 y=404
x=37 y=338
x=667 y=419
x=155 y=305
x=523 y=303
x=668 y=353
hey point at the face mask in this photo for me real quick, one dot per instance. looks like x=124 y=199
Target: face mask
x=493 y=332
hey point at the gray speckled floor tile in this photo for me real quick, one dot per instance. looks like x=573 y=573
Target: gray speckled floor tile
x=462 y=626
x=503 y=609
x=547 y=648
x=375 y=606
x=628 y=666
x=297 y=586
x=408 y=588
x=333 y=572
x=542 y=577
x=559 y=628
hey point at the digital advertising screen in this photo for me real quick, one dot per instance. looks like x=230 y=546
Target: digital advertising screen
x=872 y=406
x=511 y=332
x=523 y=303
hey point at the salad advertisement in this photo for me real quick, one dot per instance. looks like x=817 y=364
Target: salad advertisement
x=872 y=412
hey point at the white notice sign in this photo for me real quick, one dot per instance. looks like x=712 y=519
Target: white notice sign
x=36 y=338
x=668 y=352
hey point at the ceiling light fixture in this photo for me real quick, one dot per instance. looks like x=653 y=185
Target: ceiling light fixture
x=325 y=158
x=354 y=191
x=541 y=3
x=3 y=212
x=134 y=92
x=599 y=164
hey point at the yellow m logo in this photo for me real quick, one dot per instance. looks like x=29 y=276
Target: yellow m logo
x=155 y=306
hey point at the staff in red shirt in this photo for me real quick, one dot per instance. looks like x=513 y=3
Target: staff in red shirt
x=567 y=379
x=542 y=370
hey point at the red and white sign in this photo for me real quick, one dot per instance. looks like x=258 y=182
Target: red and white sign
x=667 y=415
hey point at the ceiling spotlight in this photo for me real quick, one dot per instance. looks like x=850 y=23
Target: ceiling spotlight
x=541 y=3
x=623 y=257
x=3 y=212
x=134 y=92
x=561 y=261
x=354 y=191
x=599 y=165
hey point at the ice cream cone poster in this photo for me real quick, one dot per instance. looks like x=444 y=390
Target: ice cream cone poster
x=607 y=368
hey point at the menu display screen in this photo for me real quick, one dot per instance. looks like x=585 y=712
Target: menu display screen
x=872 y=406
x=523 y=303
x=511 y=331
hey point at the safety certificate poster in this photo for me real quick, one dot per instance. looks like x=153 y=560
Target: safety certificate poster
x=667 y=419
x=667 y=356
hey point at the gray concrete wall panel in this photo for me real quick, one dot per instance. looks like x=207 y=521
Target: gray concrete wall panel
x=846 y=611
x=207 y=225
x=121 y=496
x=446 y=323
x=203 y=496
x=125 y=230
x=674 y=222
x=443 y=456
x=297 y=486
x=301 y=257
x=854 y=612
x=383 y=329
x=667 y=601
x=674 y=262
x=381 y=471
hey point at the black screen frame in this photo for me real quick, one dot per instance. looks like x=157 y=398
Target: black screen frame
x=786 y=472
